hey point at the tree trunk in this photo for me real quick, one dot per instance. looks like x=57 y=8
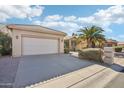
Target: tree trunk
x=93 y=45
x=89 y=44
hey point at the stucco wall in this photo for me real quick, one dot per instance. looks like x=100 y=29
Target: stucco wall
x=81 y=45
x=17 y=40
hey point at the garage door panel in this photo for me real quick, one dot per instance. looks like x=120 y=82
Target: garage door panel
x=35 y=46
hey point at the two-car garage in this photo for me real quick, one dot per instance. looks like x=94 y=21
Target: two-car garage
x=35 y=46
x=35 y=40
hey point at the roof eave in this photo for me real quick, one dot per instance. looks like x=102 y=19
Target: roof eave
x=50 y=31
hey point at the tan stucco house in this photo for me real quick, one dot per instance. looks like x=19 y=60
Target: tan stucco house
x=120 y=43
x=72 y=44
x=35 y=40
x=111 y=43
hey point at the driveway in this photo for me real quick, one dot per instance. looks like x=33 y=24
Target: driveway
x=33 y=69
x=27 y=70
x=8 y=69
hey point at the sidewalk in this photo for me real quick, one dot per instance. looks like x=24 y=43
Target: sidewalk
x=99 y=80
x=118 y=81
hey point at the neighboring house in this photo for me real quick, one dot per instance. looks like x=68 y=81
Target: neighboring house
x=111 y=43
x=72 y=43
x=34 y=40
x=120 y=43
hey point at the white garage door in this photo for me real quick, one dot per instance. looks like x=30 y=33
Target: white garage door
x=35 y=46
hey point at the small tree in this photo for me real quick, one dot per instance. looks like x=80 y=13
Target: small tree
x=5 y=43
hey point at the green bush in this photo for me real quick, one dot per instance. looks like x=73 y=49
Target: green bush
x=91 y=54
x=4 y=51
x=118 y=48
x=66 y=50
x=5 y=44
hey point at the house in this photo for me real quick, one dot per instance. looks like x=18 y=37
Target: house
x=110 y=43
x=120 y=43
x=34 y=40
x=72 y=44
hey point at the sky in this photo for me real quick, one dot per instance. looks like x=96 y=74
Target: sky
x=69 y=19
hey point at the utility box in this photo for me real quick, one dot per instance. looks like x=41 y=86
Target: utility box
x=108 y=55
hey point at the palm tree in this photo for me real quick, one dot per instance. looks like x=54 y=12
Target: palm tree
x=93 y=35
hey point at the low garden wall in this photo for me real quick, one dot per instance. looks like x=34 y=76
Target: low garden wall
x=108 y=55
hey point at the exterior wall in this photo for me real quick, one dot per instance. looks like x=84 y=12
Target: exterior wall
x=17 y=40
x=71 y=44
x=81 y=45
x=16 y=44
x=120 y=44
x=61 y=46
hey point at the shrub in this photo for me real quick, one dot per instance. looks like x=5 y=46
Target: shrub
x=4 y=51
x=5 y=44
x=66 y=50
x=91 y=54
x=118 y=48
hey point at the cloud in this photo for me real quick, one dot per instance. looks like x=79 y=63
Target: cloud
x=121 y=36
x=67 y=27
x=37 y=22
x=18 y=11
x=70 y=18
x=57 y=22
x=53 y=18
x=103 y=18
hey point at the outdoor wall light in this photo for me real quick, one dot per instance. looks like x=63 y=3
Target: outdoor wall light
x=62 y=40
x=17 y=37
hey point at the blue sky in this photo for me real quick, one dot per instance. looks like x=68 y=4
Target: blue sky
x=68 y=18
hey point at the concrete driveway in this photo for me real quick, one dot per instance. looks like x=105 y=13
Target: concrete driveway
x=8 y=69
x=33 y=69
